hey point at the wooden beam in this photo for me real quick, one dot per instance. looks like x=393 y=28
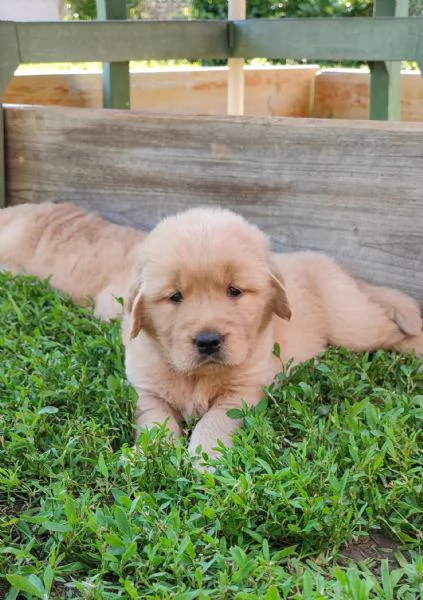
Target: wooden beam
x=355 y=38
x=385 y=80
x=236 y=10
x=351 y=189
x=195 y=91
x=116 y=85
x=360 y=38
x=119 y=41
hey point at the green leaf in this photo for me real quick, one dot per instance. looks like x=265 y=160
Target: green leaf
x=48 y=577
x=48 y=410
x=31 y=584
x=122 y=522
x=102 y=467
x=272 y=593
x=235 y=413
x=56 y=526
x=261 y=407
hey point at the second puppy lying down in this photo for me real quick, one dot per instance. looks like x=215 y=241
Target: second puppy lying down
x=84 y=255
x=208 y=304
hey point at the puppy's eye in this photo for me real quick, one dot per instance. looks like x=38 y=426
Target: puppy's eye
x=234 y=292
x=177 y=298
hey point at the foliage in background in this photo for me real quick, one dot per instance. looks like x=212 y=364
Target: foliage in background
x=333 y=454
x=218 y=9
x=136 y=9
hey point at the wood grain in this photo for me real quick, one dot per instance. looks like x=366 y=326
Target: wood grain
x=355 y=38
x=351 y=189
x=344 y=94
x=118 y=41
x=272 y=91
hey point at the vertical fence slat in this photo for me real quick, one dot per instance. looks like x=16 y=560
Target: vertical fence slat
x=116 y=77
x=236 y=12
x=385 y=77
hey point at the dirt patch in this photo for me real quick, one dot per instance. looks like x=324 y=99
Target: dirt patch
x=372 y=549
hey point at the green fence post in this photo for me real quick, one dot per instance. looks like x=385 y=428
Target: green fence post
x=116 y=77
x=9 y=61
x=385 y=77
x=2 y=161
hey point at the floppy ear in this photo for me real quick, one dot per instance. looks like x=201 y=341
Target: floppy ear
x=280 y=301
x=134 y=306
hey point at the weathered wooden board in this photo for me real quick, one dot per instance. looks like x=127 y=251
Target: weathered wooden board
x=116 y=41
x=355 y=38
x=352 y=38
x=273 y=91
x=344 y=94
x=351 y=189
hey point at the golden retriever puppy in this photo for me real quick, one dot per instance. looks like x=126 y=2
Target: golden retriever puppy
x=209 y=302
x=85 y=256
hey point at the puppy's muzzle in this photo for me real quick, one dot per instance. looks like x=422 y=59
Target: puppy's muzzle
x=208 y=342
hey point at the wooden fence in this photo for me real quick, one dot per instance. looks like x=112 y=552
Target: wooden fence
x=281 y=91
x=349 y=188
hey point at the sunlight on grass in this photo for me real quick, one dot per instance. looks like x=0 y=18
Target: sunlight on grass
x=333 y=453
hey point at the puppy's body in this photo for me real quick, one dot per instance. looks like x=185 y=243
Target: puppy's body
x=209 y=305
x=208 y=302
x=84 y=255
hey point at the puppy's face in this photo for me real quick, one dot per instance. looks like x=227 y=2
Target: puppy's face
x=208 y=288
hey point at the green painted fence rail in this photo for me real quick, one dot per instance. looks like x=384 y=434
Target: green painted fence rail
x=361 y=38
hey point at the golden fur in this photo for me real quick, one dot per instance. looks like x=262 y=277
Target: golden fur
x=303 y=301
x=84 y=255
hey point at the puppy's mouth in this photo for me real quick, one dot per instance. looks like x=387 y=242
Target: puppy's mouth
x=210 y=360
x=210 y=363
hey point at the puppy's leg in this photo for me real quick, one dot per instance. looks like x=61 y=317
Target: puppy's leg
x=152 y=411
x=106 y=305
x=216 y=425
x=400 y=307
x=213 y=426
x=412 y=343
x=357 y=322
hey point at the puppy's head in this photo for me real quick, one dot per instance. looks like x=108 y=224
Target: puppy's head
x=207 y=287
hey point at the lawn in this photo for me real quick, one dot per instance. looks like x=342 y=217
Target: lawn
x=327 y=471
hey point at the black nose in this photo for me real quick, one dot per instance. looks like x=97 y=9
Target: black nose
x=208 y=342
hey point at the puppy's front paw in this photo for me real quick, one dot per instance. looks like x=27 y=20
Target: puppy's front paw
x=201 y=457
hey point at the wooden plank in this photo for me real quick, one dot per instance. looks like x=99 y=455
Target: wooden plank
x=352 y=189
x=237 y=10
x=338 y=39
x=358 y=38
x=116 y=41
x=116 y=84
x=344 y=94
x=278 y=90
x=385 y=80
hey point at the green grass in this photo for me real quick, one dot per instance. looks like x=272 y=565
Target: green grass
x=333 y=455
